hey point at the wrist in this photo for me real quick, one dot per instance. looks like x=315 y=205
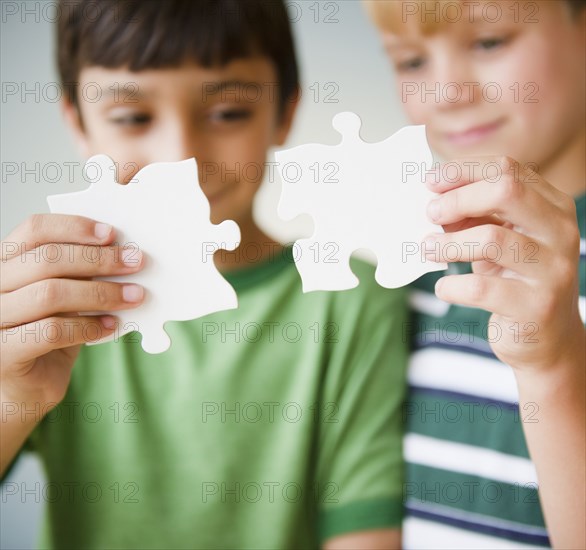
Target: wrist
x=563 y=349
x=566 y=373
x=16 y=407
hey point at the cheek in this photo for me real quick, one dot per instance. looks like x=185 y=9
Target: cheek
x=409 y=94
x=241 y=156
x=101 y=140
x=514 y=84
x=543 y=94
x=127 y=169
x=128 y=159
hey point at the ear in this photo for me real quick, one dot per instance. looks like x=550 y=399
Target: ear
x=73 y=121
x=287 y=116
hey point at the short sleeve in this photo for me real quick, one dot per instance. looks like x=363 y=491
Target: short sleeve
x=360 y=465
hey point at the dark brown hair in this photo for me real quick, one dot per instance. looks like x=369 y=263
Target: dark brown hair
x=150 y=34
x=577 y=5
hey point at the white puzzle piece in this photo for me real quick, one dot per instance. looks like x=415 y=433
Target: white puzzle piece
x=360 y=195
x=165 y=214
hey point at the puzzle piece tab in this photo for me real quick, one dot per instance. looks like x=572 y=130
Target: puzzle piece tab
x=360 y=195
x=165 y=214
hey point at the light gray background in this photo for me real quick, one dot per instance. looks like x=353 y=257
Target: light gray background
x=335 y=43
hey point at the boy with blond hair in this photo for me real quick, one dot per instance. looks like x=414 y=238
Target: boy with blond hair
x=500 y=87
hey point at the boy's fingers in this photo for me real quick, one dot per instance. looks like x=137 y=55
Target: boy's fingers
x=68 y=260
x=495 y=294
x=46 y=297
x=511 y=201
x=468 y=223
x=27 y=342
x=41 y=229
x=491 y=243
x=460 y=172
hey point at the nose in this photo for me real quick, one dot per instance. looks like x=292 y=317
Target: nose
x=172 y=139
x=177 y=140
x=454 y=85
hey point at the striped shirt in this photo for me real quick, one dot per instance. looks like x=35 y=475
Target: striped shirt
x=470 y=481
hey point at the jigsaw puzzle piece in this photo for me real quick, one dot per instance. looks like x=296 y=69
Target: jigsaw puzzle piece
x=360 y=195
x=405 y=197
x=308 y=187
x=334 y=272
x=163 y=213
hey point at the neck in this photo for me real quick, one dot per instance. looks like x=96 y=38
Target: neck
x=255 y=247
x=567 y=169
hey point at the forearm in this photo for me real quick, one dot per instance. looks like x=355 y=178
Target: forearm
x=377 y=539
x=557 y=444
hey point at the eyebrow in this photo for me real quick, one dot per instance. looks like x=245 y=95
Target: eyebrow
x=130 y=91
x=213 y=88
x=396 y=46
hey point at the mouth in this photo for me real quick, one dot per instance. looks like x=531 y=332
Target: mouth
x=473 y=135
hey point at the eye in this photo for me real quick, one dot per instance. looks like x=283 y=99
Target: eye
x=412 y=64
x=131 y=119
x=490 y=43
x=230 y=115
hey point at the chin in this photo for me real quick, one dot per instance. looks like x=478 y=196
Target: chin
x=487 y=149
x=219 y=215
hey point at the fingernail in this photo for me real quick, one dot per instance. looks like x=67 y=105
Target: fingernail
x=131 y=257
x=132 y=293
x=433 y=210
x=102 y=230
x=108 y=321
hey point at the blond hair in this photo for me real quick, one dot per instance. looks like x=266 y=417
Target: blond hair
x=428 y=15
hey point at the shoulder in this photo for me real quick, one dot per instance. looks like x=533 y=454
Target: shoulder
x=368 y=290
x=368 y=307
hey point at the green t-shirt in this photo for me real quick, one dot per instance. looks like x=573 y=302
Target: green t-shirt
x=274 y=425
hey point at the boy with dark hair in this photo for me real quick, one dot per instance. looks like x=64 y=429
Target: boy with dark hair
x=505 y=79
x=274 y=425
